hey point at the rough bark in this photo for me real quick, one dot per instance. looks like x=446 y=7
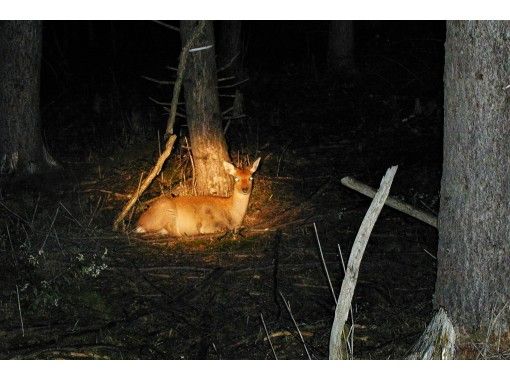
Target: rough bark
x=340 y=46
x=208 y=144
x=21 y=146
x=473 y=280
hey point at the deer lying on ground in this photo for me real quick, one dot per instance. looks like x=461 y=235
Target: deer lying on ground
x=197 y=215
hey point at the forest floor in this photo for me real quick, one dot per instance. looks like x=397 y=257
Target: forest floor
x=72 y=288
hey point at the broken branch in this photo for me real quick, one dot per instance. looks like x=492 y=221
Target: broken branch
x=336 y=342
x=392 y=202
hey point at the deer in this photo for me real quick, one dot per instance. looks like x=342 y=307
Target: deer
x=199 y=215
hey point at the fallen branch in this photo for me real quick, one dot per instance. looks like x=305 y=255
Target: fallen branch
x=169 y=129
x=338 y=335
x=394 y=203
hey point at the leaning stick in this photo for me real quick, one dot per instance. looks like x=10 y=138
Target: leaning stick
x=169 y=129
x=336 y=341
x=406 y=208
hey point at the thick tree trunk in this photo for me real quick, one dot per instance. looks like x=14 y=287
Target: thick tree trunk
x=473 y=280
x=21 y=145
x=203 y=113
x=340 y=46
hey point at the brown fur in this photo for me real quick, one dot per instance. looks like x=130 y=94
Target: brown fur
x=202 y=214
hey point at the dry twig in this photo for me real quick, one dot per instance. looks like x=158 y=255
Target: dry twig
x=287 y=306
x=324 y=266
x=267 y=334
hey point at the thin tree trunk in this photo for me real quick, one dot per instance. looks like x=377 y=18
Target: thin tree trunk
x=203 y=113
x=340 y=46
x=230 y=48
x=21 y=145
x=473 y=280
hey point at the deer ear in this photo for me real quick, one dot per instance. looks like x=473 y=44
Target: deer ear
x=255 y=165
x=229 y=168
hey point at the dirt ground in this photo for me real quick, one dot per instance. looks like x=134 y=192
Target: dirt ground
x=72 y=288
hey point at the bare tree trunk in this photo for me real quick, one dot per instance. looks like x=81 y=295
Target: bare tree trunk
x=230 y=65
x=230 y=48
x=21 y=146
x=340 y=46
x=473 y=280
x=203 y=113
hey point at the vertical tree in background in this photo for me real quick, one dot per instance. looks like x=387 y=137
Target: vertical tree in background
x=208 y=144
x=340 y=46
x=473 y=280
x=230 y=63
x=21 y=146
x=230 y=48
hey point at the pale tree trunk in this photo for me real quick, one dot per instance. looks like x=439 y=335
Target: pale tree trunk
x=208 y=144
x=21 y=146
x=340 y=46
x=473 y=279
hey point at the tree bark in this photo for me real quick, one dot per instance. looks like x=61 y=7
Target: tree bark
x=208 y=144
x=21 y=146
x=473 y=279
x=340 y=46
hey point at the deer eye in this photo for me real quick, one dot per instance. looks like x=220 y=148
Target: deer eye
x=236 y=179
x=251 y=178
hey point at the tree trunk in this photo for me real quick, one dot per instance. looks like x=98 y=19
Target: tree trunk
x=203 y=113
x=340 y=46
x=21 y=145
x=230 y=64
x=230 y=48
x=473 y=280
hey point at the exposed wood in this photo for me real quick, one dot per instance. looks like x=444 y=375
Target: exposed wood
x=337 y=338
x=392 y=202
x=437 y=341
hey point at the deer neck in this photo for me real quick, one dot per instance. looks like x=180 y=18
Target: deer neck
x=239 y=205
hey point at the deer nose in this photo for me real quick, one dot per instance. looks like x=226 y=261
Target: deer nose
x=245 y=190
